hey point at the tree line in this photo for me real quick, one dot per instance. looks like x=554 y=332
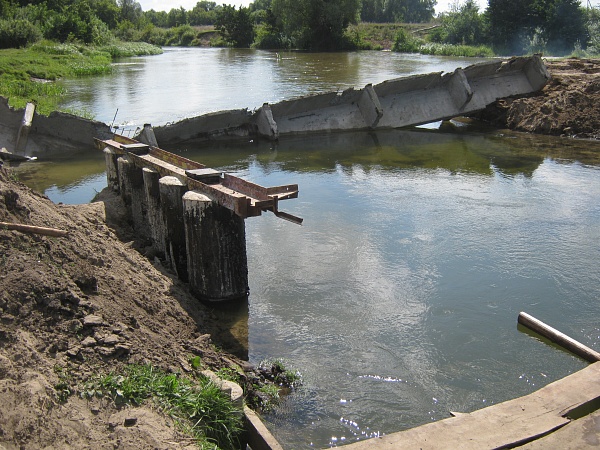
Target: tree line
x=508 y=26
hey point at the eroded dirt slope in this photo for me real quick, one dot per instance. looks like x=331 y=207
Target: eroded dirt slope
x=81 y=305
x=568 y=105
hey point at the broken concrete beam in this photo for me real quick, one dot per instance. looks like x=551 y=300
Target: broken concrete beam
x=216 y=249
x=223 y=123
x=397 y=103
x=369 y=106
x=330 y=111
x=147 y=136
x=459 y=88
x=505 y=425
x=265 y=123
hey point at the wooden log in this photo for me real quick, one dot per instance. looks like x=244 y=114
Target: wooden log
x=33 y=229
x=559 y=338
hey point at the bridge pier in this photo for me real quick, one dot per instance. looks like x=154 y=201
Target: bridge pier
x=112 y=171
x=171 y=192
x=193 y=215
x=216 y=249
x=131 y=186
x=154 y=214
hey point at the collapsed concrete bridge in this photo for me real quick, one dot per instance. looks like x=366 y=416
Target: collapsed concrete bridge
x=398 y=103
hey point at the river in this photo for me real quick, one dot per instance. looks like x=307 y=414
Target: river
x=398 y=298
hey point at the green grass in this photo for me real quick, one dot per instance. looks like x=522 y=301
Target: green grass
x=197 y=405
x=431 y=48
x=379 y=36
x=29 y=74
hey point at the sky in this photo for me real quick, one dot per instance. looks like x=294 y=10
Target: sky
x=167 y=5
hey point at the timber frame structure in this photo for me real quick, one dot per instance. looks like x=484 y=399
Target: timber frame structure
x=244 y=198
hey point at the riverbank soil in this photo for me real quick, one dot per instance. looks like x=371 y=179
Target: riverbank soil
x=83 y=305
x=569 y=105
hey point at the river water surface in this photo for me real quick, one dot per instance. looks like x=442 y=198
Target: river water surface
x=398 y=297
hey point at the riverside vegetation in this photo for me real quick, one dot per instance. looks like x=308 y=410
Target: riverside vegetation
x=45 y=40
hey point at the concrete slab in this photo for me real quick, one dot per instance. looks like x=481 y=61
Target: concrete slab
x=579 y=434
x=509 y=424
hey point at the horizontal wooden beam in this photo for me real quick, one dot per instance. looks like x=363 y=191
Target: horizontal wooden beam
x=559 y=338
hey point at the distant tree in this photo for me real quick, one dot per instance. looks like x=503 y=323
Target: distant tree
x=204 y=13
x=316 y=25
x=176 y=17
x=412 y=11
x=464 y=25
x=593 y=29
x=564 y=25
x=157 y=18
x=130 y=10
x=235 y=26
x=515 y=24
x=74 y=22
x=107 y=11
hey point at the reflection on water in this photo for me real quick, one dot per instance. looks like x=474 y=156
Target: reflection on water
x=72 y=179
x=398 y=298
x=186 y=82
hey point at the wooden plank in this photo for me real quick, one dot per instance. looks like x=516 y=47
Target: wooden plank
x=176 y=160
x=284 y=192
x=162 y=167
x=245 y=198
x=559 y=338
x=246 y=187
x=32 y=229
x=236 y=202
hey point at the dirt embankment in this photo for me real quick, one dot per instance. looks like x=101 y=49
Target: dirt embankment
x=568 y=105
x=77 y=306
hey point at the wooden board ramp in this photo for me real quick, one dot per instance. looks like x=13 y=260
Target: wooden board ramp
x=243 y=197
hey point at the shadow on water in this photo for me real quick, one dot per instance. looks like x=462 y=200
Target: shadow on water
x=74 y=178
x=470 y=149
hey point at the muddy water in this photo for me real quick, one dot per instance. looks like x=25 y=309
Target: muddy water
x=398 y=297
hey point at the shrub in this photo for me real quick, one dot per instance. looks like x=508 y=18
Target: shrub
x=406 y=42
x=18 y=33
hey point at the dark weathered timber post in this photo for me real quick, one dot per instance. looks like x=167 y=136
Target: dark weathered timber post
x=112 y=172
x=171 y=192
x=154 y=213
x=131 y=184
x=216 y=249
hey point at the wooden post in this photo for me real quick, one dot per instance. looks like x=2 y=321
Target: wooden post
x=559 y=338
x=216 y=249
x=33 y=229
x=131 y=185
x=154 y=213
x=171 y=191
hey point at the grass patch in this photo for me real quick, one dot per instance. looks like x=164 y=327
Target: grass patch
x=379 y=36
x=29 y=74
x=432 y=48
x=197 y=405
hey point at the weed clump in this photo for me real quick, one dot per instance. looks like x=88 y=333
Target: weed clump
x=197 y=405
